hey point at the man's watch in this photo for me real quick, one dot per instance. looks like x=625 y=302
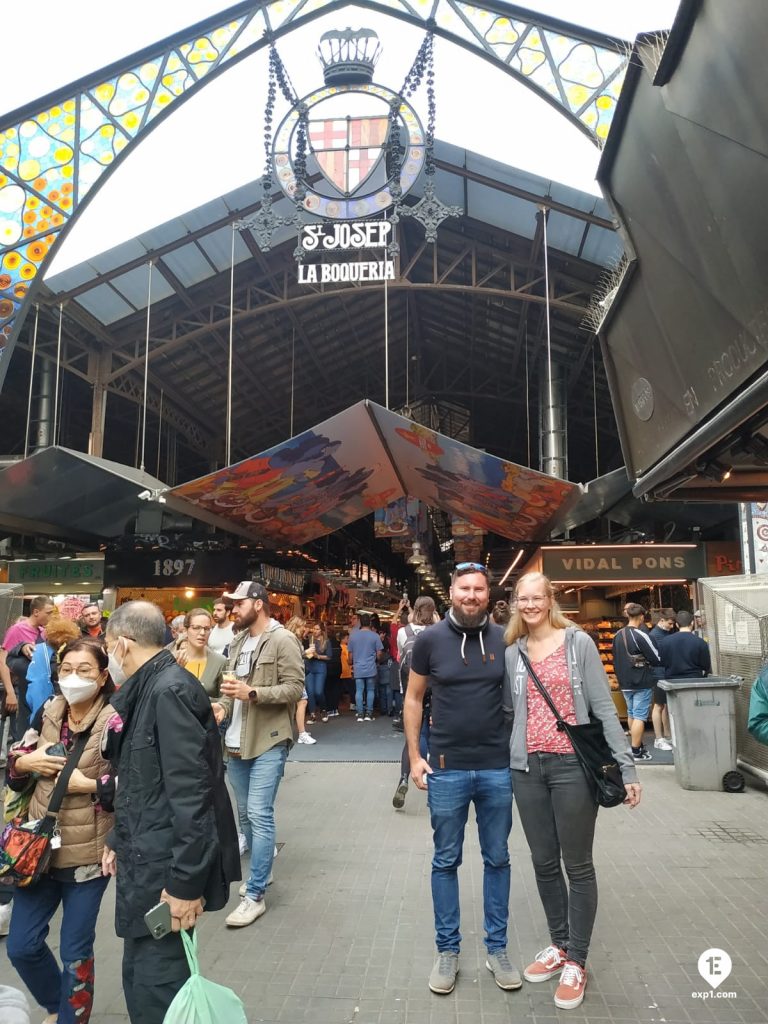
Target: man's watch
x=252 y=695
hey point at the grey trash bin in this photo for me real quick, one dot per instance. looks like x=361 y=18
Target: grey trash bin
x=702 y=714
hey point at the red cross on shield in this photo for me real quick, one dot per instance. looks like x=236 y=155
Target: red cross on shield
x=348 y=150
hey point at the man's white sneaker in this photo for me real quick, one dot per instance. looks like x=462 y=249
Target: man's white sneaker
x=248 y=911
x=5 y=918
x=663 y=744
x=304 y=737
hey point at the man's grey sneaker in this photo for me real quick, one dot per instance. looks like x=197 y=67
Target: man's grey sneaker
x=398 y=800
x=505 y=974
x=443 y=977
x=248 y=911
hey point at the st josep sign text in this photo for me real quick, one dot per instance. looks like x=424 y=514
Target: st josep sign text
x=347 y=236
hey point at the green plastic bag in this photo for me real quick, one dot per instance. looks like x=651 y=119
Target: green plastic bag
x=201 y=1001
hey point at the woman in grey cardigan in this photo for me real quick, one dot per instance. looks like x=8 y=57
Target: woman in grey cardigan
x=193 y=653
x=556 y=804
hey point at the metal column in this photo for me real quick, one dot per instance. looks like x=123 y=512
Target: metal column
x=553 y=421
x=43 y=435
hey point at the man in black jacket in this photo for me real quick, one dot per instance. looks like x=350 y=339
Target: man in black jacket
x=175 y=839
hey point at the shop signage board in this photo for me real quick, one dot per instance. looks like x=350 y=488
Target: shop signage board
x=347 y=238
x=57 y=570
x=625 y=563
x=286 y=581
x=174 y=569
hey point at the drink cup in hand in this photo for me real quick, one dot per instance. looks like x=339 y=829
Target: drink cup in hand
x=229 y=679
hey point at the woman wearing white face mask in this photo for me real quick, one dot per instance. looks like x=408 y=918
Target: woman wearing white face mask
x=74 y=877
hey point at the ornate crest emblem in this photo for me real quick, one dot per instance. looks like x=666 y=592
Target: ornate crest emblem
x=352 y=128
x=348 y=151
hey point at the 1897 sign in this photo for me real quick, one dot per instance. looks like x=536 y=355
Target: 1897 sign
x=174 y=568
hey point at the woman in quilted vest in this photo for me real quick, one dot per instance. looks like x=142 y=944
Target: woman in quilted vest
x=74 y=878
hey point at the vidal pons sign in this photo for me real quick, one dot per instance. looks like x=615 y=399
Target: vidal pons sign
x=346 y=236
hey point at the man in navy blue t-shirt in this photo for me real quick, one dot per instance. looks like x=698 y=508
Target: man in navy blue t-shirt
x=685 y=655
x=363 y=647
x=462 y=660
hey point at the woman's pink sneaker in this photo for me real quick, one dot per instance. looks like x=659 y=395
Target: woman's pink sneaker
x=570 y=992
x=547 y=964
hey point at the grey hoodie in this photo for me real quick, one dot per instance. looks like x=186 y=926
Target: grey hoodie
x=591 y=692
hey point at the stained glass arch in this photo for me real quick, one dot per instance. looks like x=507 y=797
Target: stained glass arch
x=56 y=152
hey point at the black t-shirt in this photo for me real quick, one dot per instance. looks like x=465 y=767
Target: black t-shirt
x=467 y=730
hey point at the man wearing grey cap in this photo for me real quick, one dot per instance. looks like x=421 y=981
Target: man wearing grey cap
x=263 y=681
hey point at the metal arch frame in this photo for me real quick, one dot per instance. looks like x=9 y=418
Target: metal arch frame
x=169 y=71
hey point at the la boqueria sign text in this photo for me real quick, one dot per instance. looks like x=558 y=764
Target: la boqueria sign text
x=623 y=563
x=346 y=236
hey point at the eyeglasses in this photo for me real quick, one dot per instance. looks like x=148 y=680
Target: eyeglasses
x=536 y=601
x=81 y=670
x=199 y=629
x=471 y=567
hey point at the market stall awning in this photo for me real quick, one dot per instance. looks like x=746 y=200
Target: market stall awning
x=361 y=460
x=70 y=494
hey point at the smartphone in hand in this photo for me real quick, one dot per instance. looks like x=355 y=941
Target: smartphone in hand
x=158 y=920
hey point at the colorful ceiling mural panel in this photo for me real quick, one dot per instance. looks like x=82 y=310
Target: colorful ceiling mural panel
x=357 y=462
x=51 y=160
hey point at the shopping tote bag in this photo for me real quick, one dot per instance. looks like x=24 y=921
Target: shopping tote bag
x=201 y=1001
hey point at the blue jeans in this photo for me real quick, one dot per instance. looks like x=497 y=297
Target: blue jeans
x=59 y=991
x=450 y=793
x=255 y=781
x=384 y=689
x=363 y=687
x=314 y=680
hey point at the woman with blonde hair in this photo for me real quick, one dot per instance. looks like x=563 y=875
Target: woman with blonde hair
x=556 y=804
x=298 y=626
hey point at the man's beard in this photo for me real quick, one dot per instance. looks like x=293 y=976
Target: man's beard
x=467 y=619
x=247 y=619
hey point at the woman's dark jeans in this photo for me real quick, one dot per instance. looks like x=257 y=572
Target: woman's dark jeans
x=558 y=814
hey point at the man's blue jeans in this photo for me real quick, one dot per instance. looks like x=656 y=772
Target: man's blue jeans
x=450 y=793
x=69 y=991
x=255 y=781
x=363 y=687
x=384 y=691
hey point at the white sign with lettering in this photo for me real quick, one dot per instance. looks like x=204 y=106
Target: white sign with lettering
x=318 y=238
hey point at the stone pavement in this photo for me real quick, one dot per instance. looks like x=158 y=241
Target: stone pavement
x=347 y=938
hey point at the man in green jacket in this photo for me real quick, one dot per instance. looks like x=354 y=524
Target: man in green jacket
x=758 y=708
x=263 y=680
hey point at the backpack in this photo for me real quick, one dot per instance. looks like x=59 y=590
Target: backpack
x=407 y=656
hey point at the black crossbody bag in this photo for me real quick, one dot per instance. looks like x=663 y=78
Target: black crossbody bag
x=590 y=746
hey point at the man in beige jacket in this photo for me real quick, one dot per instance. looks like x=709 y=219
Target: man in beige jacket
x=263 y=681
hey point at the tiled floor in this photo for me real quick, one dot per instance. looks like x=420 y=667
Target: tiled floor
x=348 y=939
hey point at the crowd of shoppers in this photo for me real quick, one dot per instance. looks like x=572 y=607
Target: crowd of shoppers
x=149 y=729
x=671 y=649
